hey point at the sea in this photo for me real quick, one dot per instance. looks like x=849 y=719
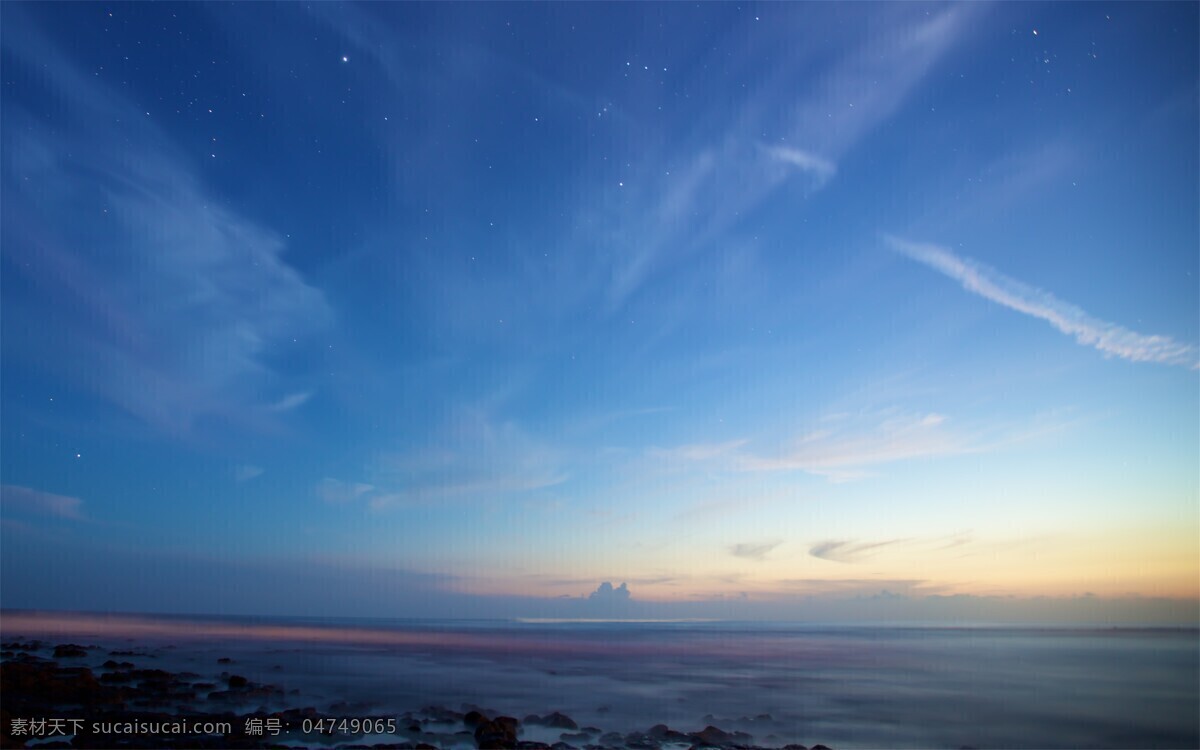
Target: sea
x=845 y=686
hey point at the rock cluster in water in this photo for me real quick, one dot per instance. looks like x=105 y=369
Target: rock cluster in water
x=119 y=692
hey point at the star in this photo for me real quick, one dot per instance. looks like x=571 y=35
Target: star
x=345 y=58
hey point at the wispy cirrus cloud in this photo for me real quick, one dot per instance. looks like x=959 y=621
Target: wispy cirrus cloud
x=476 y=457
x=26 y=500
x=840 y=452
x=155 y=296
x=704 y=188
x=1109 y=338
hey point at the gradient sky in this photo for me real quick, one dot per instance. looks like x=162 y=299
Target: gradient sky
x=764 y=310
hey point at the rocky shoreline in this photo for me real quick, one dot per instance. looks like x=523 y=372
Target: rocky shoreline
x=50 y=703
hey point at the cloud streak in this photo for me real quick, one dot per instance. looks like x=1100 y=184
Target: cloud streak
x=27 y=500
x=847 y=552
x=822 y=169
x=1109 y=338
x=753 y=551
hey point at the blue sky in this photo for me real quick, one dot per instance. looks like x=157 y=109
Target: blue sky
x=467 y=309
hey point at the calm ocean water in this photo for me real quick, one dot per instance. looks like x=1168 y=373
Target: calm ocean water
x=847 y=687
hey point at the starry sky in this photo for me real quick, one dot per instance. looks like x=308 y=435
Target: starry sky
x=761 y=310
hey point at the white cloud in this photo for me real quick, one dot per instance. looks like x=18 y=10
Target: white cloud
x=31 y=501
x=1111 y=339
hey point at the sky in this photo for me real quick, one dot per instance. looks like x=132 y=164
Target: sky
x=779 y=311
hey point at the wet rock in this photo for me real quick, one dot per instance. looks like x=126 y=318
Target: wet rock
x=69 y=651
x=557 y=720
x=237 y=681
x=819 y=747
x=611 y=739
x=529 y=745
x=498 y=734
x=224 y=660
x=794 y=747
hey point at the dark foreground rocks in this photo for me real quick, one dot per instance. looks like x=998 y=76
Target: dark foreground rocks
x=51 y=704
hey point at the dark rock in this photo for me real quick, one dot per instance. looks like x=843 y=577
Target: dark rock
x=110 y=664
x=713 y=737
x=794 y=747
x=498 y=734
x=474 y=719
x=558 y=721
x=561 y=746
x=152 y=675
x=69 y=651
x=611 y=739
x=529 y=745
x=237 y=681
x=224 y=660
x=819 y=747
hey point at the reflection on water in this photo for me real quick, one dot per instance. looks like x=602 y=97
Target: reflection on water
x=843 y=686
